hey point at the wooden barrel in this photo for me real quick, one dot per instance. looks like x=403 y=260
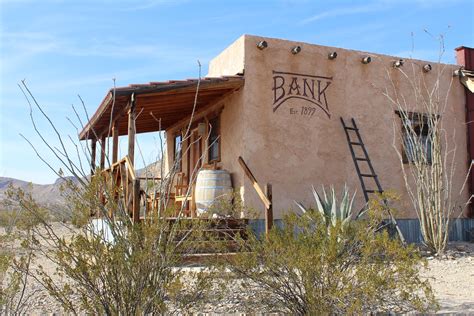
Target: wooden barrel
x=212 y=187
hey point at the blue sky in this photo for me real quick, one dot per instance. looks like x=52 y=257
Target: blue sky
x=66 y=48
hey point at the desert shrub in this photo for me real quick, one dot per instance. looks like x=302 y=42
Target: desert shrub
x=426 y=145
x=307 y=268
x=117 y=267
x=15 y=260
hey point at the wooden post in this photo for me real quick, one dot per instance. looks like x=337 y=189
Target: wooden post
x=115 y=135
x=257 y=188
x=268 y=210
x=93 y=153
x=131 y=131
x=102 y=152
x=136 y=200
x=267 y=198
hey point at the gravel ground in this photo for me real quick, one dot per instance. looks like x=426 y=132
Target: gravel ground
x=451 y=276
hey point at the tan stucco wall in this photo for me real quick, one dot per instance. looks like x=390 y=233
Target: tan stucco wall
x=232 y=133
x=232 y=129
x=294 y=152
x=230 y=61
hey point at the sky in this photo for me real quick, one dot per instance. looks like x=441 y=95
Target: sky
x=63 y=49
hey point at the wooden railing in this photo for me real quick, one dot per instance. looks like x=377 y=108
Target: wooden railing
x=267 y=198
x=125 y=185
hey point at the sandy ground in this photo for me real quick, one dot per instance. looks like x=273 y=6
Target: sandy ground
x=452 y=279
x=451 y=276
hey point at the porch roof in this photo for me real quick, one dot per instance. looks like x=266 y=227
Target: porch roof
x=170 y=101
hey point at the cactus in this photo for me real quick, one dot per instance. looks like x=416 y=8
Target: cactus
x=329 y=208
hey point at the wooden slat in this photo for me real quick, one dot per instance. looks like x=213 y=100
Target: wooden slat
x=131 y=169
x=93 y=153
x=102 y=152
x=136 y=201
x=115 y=139
x=269 y=210
x=257 y=188
x=131 y=132
x=150 y=98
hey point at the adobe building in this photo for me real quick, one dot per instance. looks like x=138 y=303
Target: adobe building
x=278 y=104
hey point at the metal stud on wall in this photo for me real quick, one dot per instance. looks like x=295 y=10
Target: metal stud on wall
x=398 y=63
x=295 y=50
x=366 y=60
x=262 y=45
x=427 y=68
x=332 y=55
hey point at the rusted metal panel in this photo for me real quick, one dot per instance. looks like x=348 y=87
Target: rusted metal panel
x=465 y=58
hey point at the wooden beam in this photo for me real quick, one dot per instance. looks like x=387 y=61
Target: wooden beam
x=257 y=188
x=216 y=106
x=269 y=210
x=136 y=200
x=102 y=152
x=172 y=89
x=87 y=129
x=234 y=83
x=93 y=154
x=131 y=131
x=115 y=139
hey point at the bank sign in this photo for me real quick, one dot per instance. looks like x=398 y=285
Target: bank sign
x=308 y=90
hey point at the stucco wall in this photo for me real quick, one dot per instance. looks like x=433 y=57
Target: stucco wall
x=293 y=151
x=232 y=129
x=230 y=61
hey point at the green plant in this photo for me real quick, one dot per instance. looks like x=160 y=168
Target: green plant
x=15 y=260
x=302 y=269
x=329 y=208
x=133 y=269
x=126 y=264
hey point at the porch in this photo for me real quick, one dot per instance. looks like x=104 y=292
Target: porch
x=189 y=109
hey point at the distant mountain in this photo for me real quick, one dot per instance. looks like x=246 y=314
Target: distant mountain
x=152 y=170
x=49 y=194
x=46 y=194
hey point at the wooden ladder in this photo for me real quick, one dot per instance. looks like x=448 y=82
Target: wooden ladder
x=363 y=177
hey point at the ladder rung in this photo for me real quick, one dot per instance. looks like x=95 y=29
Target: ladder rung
x=374 y=191
x=355 y=143
x=368 y=175
x=351 y=128
x=361 y=159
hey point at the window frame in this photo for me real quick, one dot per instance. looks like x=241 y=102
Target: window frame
x=210 y=140
x=418 y=119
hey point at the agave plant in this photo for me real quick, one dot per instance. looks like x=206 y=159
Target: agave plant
x=329 y=208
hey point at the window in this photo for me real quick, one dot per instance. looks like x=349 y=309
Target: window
x=214 y=153
x=178 y=153
x=417 y=137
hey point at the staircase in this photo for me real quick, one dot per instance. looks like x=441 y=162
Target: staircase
x=216 y=237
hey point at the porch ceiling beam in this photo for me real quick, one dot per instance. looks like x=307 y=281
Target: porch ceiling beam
x=202 y=112
x=164 y=98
